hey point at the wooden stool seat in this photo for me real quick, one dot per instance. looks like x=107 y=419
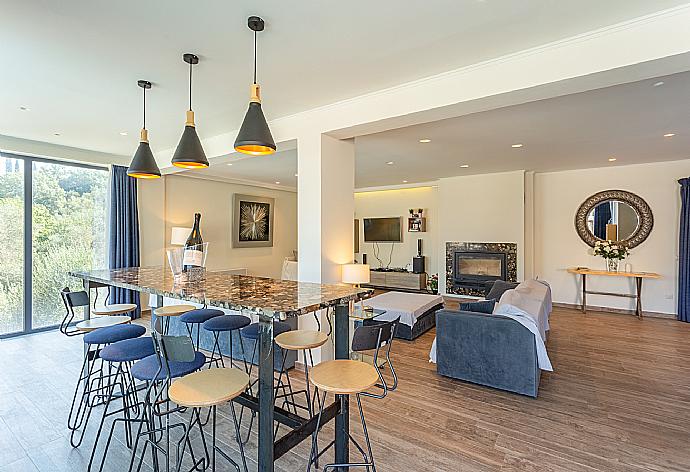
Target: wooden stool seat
x=102 y=322
x=208 y=387
x=173 y=310
x=301 y=339
x=114 y=309
x=344 y=377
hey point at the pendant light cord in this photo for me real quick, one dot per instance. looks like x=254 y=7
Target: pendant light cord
x=254 y=57
x=144 y=89
x=190 y=85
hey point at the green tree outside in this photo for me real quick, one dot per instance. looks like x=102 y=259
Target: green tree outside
x=69 y=230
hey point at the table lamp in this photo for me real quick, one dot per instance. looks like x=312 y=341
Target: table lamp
x=179 y=235
x=356 y=274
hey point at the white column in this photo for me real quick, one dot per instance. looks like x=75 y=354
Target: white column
x=325 y=213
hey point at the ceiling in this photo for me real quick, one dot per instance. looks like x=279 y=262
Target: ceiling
x=74 y=63
x=276 y=170
x=626 y=122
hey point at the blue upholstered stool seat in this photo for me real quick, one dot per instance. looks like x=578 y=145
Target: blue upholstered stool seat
x=128 y=350
x=146 y=369
x=226 y=323
x=252 y=331
x=201 y=315
x=113 y=334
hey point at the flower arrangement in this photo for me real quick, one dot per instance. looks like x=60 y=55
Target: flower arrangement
x=611 y=251
x=432 y=283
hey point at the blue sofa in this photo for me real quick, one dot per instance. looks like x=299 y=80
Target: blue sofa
x=487 y=349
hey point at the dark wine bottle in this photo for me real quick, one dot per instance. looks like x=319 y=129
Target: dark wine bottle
x=193 y=247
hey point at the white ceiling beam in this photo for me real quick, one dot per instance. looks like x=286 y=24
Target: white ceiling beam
x=584 y=62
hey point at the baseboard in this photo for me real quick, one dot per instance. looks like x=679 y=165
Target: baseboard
x=620 y=311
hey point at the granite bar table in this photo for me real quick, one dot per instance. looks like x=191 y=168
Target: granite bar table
x=270 y=299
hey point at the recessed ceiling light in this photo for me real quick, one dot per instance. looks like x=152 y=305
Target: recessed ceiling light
x=56 y=134
x=404 y=181
x=229 y=163
x=517 y=145
x=123 y=133
x=296 y=175
x=612 y=159
x=277 y=182
x=669 y=135
x=390 y=163
x=25 y=108
x=465 y=166
x=659 y=84
x=425 y=140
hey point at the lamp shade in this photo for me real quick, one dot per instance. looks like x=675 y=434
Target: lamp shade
x=255 y=137
x=179 y=235
x=189 y=153
x=143 y=165
x=356 y=273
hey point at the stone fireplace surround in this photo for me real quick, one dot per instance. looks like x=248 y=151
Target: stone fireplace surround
x=509 y=249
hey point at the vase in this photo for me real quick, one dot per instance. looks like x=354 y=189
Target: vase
x=612 y=265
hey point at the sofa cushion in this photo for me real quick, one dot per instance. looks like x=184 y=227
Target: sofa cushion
x=499 y=287
x=483 y=306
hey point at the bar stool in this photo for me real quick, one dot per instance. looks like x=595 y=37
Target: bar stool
x=226 y=324
x=343 y=377
x=350 y=377
x=208 y=389
x=121 y=355
x=168 y=311
x=301 y=341
x=304 y=341
x=197 y=317
x=93 y=381
x=175 y=357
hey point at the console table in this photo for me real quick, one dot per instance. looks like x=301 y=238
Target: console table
x=638 y=276
x=394 y=280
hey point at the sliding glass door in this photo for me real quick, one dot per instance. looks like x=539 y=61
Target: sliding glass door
x=11 y=245
x=58 y=225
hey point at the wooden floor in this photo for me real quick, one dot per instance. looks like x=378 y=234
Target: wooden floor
x=619 y=400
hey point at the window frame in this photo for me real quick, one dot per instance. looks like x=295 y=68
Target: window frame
x=28 y=160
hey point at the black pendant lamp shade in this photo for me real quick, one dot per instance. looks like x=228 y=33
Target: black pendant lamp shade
x=189 y=153
x=143 y=165
x=255 y=137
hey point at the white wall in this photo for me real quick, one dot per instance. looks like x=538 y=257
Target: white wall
x=386 y=203
x=173 y=200
x=481 y=208
x=557 y=245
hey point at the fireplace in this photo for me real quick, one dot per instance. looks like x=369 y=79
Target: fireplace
x=470 y=265
x=473 y=269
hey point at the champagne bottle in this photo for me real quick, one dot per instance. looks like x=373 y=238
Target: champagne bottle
x=193 y=248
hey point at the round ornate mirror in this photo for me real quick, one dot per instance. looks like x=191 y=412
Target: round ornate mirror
x=614 y=215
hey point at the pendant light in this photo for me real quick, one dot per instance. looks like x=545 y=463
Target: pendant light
x=143 y=165
x=254 y=137
x=189 y=153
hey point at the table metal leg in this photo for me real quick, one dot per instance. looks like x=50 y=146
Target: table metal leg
x=265 y=451
x=584 y=293
x=159 y=303
x=638 y=308
x=342 y=351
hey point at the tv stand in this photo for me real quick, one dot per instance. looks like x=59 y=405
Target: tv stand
x=397 y=280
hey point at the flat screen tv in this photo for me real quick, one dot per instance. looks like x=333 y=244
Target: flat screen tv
x=383 y=230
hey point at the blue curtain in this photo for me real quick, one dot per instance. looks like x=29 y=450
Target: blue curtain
x=602 y=216
x=684 y=252
x=123 y=247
